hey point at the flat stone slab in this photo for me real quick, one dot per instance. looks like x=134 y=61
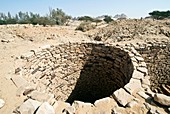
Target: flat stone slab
x=59 y=106
x=122 y=97
x=42 y=97
x=133 y=85
x=143 y=70
x=45 y=108
x=29 y=106
x=143 y=95
x=18 y=80
x=162 y=99
x=105 y=102
x=137 y=75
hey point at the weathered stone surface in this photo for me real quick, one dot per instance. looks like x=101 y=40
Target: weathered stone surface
x=146 y=81
x=59 y=106
x=79 y=104
x=105 y=102
x=42 y=97
x=143 y=95
x=169 y=109
x=45 y=108
x=51 y=67
x=18 y=80
x=150 y=92
x=143 y=70
x=139 y=59
x=105 y=105
x=29 y=106
x=166 y=88
x=2 y=103
x=162 y=99
x=122 y=97
x=137 y=75
x=25 y=89
x=82 y=107
x=69 y=110
x=132 y=104
x=133 y=85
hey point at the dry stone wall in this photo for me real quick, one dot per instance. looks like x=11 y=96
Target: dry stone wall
x=89 y=77
x=78 y=71
x=157 y=58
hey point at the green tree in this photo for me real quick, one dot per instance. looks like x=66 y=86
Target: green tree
x=59 y=16
x=85 y=18
x=108 y=19
x=160 y=14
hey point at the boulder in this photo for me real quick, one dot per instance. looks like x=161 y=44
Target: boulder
x=137 y=75
x=122 y=97
x=60 y=106
x=83 y=108
x=106 y=102
x=42 y=97
x=45 y=108
x=162 y=99
x=29 y=106
x=18 y=80
x=2 y=103
x=133 y=85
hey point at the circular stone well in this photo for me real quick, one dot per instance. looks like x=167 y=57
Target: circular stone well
x=78 y=71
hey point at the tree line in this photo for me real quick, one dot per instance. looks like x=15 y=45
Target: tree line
x=160 y=14
x=54 y=17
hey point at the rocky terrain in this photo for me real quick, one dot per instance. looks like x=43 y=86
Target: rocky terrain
x=151 y=39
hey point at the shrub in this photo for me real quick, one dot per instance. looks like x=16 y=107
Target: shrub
x=86 y=18
x=108 y=19
x=85 y=26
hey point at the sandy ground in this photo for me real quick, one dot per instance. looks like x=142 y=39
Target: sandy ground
x=20 y=43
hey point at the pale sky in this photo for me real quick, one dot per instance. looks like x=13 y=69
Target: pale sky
x=132 y=8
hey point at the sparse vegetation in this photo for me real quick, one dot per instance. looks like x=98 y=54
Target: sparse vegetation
x=160 y=14
x=86 y=18
x=85 y=26
x=108 y=19
x=55 y=17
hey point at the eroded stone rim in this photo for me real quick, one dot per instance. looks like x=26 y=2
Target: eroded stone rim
x=139 y=73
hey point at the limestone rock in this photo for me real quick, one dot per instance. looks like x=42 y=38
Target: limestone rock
x=139 y=59
x=2 y=103
x=105 y=105
x=133 y=85
x=29 y=106
x=83 y=108
x=162 y=99
x=137 y=75
x=105 y=102
x=143 y=70
x=45 y=108
x=132 y=104
x=169 y=109
x=122 y=97
x=25 y=89
x=18 y=80
x=144 y=95
x=42 y=97
x=79 y=104
x=146 y=81
x=69 y=110
x=60 y=106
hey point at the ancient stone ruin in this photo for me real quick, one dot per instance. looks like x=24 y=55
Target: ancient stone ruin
x=91 y=77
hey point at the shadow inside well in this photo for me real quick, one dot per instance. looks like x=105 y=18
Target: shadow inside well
x=98 y=79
